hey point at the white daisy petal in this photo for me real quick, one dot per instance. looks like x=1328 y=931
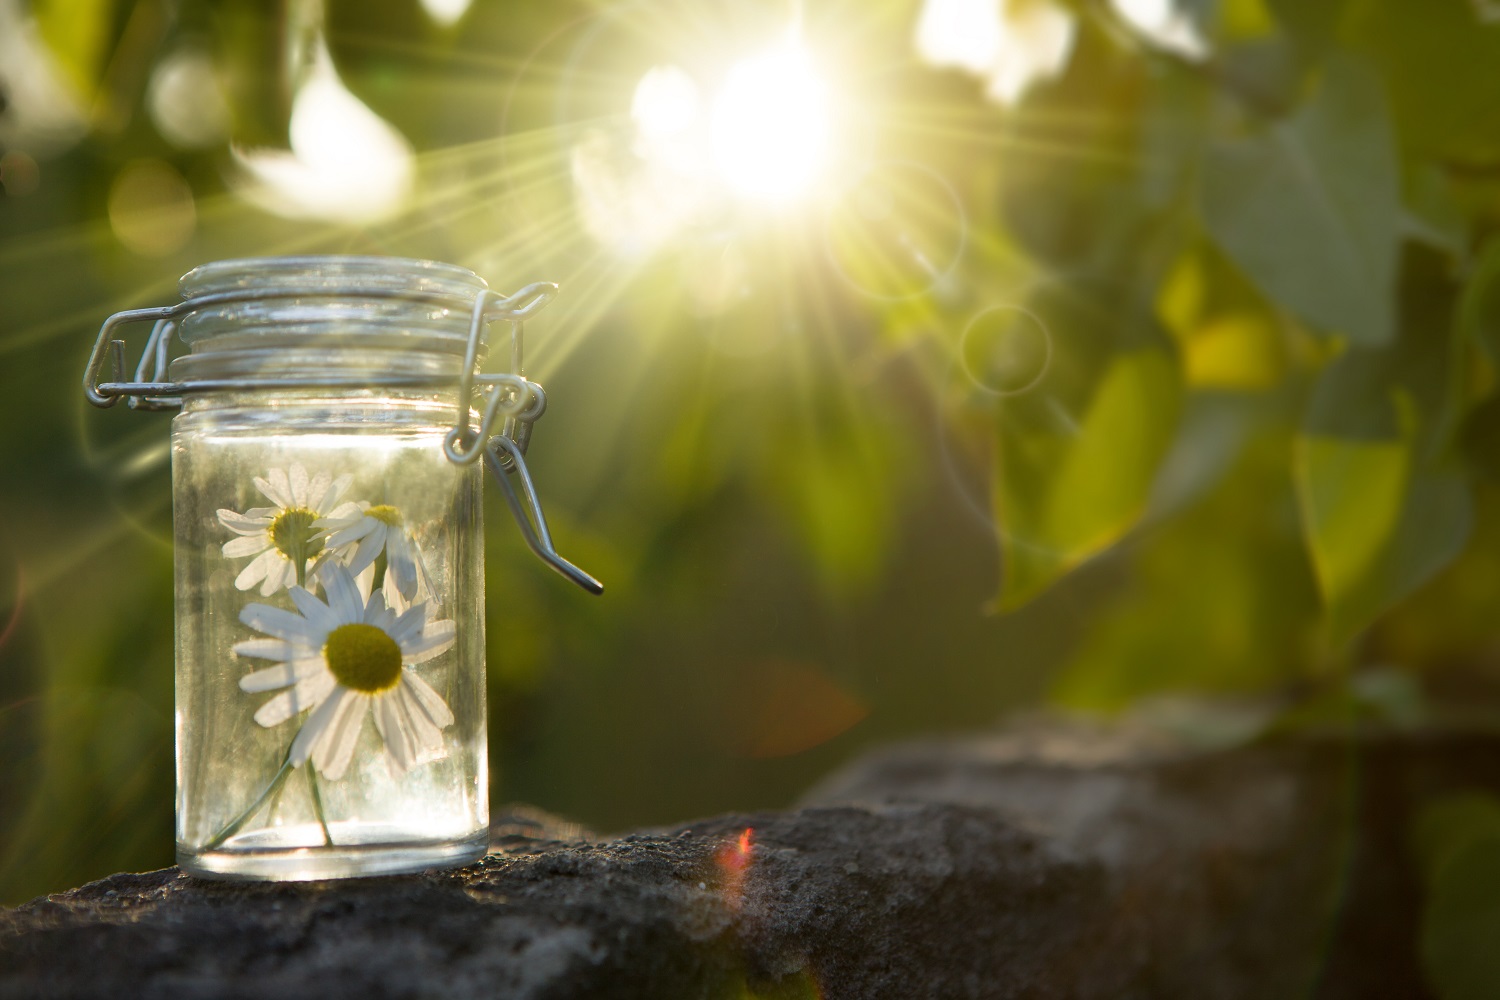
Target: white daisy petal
x=279 y=575
x=369 y=548
x=247 y=545
x=393 y=730
x=374 y=608
x=339 y=535
x=270 y=679
x=309 y=692
x=343 y=515
x=318 y=489
x=409 y=625
x=267 y=649
x=434 y=640
x=244 y=524
x=297 y=484
x=428 y=700
x=335 y=493
x=398 y=556
x=285 y=675
x=365 y=580
x=312 y=730
x=428 y=735
x=318 y=614
x=315 y=568
x=342 y=593
x=275 y=489
x=424 y=578
x=269 y=513
x=282 y=624
x=256 y=571
x=338 y=745
x=393 y=598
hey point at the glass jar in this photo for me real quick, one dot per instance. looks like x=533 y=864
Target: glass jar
x=331 y=716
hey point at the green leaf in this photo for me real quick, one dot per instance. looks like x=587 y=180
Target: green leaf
x=1438 y=58
x=1311 y=23
x=836 y=487
x=81 y=34
x=1385 y=505
x=1100 y=157
x=1309 y=207
x=1458 y=843
x=1220 y=599
x=1077 y=453
x=1378 y=528
x=1433 y=213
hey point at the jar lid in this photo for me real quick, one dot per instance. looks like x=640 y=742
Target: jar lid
x=294 y=322
x=369 y=303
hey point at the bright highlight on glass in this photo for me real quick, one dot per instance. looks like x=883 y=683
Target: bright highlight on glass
x=770 y=124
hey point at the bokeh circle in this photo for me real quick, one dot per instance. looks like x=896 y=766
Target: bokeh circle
x=1005 y=350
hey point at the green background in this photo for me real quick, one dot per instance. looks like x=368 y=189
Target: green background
x=1193 y=392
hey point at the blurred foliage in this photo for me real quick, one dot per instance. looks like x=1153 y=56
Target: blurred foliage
x=1202 y=337
x=1457 y=839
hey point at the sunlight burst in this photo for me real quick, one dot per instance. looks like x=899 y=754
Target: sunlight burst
x=770 y=124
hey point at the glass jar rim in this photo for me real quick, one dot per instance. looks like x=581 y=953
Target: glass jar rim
x=331 y=274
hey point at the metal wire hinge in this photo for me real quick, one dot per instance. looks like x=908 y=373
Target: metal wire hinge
x=508 y=398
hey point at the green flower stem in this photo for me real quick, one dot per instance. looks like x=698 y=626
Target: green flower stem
x=234 y=825
x=317 y=797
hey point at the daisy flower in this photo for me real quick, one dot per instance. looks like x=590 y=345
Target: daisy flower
x=341 y=659
x=358 y=533
x=282 y=538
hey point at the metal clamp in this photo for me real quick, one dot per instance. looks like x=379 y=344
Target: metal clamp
x=538 y=538
x=521 y=401
x=508 y=395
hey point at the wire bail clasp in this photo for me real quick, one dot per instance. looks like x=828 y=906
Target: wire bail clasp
x=508 y=398
x=521 y=402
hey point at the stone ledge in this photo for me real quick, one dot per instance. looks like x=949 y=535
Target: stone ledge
x=1055 y=864
x=688 y=913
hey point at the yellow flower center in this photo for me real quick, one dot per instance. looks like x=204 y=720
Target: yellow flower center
x=292 y=534
x=386 y=513
x=363 y=658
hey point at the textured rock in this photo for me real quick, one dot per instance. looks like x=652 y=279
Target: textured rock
x=1045 y=862
x=1279 y=869
x=855 y=902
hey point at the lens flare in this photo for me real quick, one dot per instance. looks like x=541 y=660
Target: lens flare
x=734 y=859
x=770 y=124
x=896 y=231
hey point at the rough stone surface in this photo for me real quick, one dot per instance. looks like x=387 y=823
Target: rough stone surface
x=1044 y=862
x=855 y=902
x=1279 y=869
